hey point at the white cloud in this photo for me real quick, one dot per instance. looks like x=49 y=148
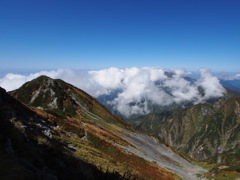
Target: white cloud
x=13 y=81
x=110 y=78
x=139 y=86
x=210 y=84
x=227 y=77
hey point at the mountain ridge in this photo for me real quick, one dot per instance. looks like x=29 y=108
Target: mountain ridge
x=102 y=139
x=57 y=96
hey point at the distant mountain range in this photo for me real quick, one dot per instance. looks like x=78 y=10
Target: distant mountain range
x=52 y=130
x=231 y=84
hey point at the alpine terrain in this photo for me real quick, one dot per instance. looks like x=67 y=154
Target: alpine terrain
x=206 y=132
x=53 y=130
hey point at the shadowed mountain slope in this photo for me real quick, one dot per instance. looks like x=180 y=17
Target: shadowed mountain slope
x=29 y=148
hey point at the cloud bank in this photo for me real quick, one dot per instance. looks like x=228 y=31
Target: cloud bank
x=138 y=87
x=227 y=77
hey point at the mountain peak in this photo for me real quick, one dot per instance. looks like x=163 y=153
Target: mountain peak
x=61 y=99
x=40 y=92
x=43 y=77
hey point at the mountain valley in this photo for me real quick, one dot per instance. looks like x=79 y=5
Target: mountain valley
x=205 y=131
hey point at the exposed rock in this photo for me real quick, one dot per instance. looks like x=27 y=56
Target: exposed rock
x=206 y=111
x=53 y=104
x=39 y=107
x=36 y=93
x=71 y=147
x=47 y=133
x=84 y=138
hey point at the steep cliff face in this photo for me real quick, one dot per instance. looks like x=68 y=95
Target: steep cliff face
x=204 y=131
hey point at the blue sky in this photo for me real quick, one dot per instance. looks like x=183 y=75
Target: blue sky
x=94 y=34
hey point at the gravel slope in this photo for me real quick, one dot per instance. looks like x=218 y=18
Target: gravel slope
x=152 y=150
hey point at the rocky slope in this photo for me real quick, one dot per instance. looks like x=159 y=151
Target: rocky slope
x=205 y=131
x=68 y=121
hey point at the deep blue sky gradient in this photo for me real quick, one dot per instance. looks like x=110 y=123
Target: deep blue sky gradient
x=191 y=34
